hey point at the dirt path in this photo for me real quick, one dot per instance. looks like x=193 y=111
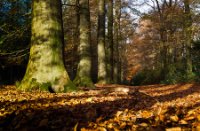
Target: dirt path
x=108 y=107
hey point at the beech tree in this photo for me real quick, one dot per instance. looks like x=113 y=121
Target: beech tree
x=188 y=36
x=71 y=35
x=83 y=76
x=109 y=44
x=116 y=71
x=46 y=70
x=102 y=72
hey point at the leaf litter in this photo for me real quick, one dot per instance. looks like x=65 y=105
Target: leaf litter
x=106 y=108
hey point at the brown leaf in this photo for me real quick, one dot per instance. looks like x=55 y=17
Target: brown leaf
x=123 y=125
x=43 y=122
x=144 y=124
x=76 y=126
x=189 y=118
x=173 y=129
x=198 y=117
x=174 y=118
x=101 y=129
x=183 y=122
x=119 y=113
x=99 y=119
x=147 y=114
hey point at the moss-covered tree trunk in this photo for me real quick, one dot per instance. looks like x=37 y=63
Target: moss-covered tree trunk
x=109 y=44
x=83 y=75
x=46 y=70
x=102 y=73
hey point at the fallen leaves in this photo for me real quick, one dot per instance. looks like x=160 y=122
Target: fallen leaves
x=139 y=121
x=158 y=107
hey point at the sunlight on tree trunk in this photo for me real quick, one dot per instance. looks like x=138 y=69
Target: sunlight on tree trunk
x=101 y=44
x=45 y=70
x=83 y=76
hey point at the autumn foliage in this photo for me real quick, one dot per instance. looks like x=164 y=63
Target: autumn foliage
x=110 y=107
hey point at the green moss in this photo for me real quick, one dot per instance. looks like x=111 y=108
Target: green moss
x=102 y=81
x=45 y=86
x=69 y=87
x=63 y=84
x=83 y=82
x=34 y=85
x=17 y=83
x=56 y=81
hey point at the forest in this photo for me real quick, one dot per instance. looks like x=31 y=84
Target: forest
x=100 y=65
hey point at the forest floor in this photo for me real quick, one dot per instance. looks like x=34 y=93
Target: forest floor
x=108 y=107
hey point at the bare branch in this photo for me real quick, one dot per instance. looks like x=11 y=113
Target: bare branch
x=15 y=52
x=158 y=6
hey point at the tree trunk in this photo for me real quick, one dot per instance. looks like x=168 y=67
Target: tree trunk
x=83 y=76
x=71 y=31
x=116 y=40
x=101 y=43
x=45 y=70
x=109 y=45
x=77 y=40
x=188 y=40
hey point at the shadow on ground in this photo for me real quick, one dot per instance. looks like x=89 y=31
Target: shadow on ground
x=49 y=114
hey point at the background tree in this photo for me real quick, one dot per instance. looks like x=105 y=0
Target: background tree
x=94 y=40
x=167 y=42
x=117 y=7
x=14 y=39
x=83 y=76
x=71 y=18
x=109 y=43
x=188 y=37
x=45 y=68
x=102 y=72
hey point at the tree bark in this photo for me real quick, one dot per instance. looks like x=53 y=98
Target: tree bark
x=45 y=70
x=109 y=45
x=83 y=76
x=188 y=37
x=116 y=40
x=102 y=74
